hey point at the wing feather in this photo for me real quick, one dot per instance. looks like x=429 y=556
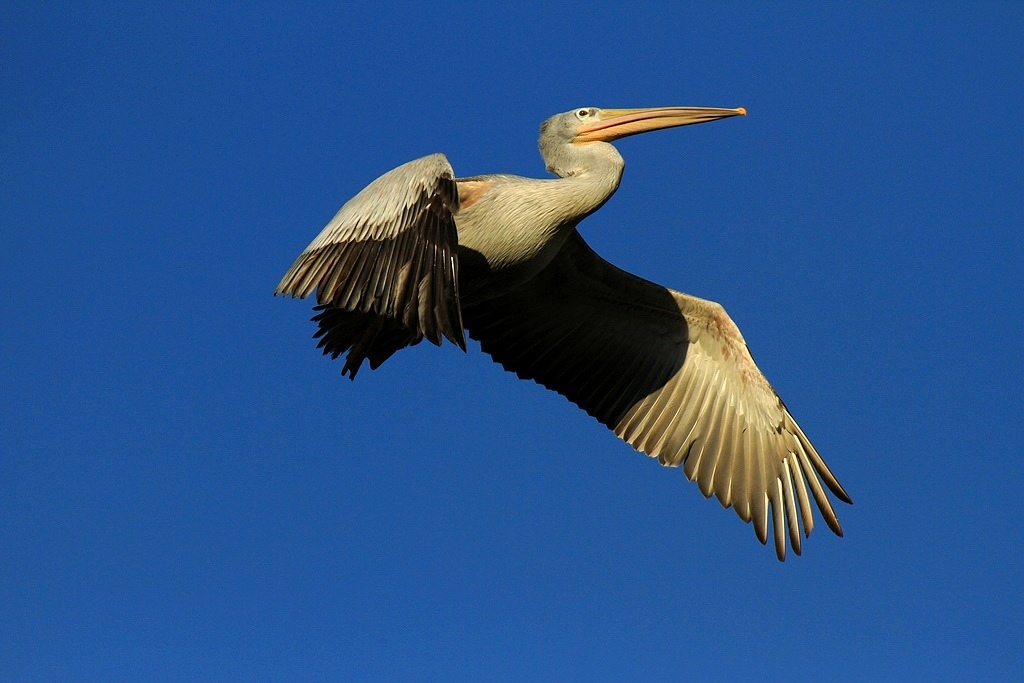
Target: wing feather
x=670 y=374
x=789 y=498
x=385 y=269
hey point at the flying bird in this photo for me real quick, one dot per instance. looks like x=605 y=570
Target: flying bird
x=421 y=254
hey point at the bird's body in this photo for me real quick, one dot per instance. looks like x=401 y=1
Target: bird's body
x=517 y=226
x=419 y=253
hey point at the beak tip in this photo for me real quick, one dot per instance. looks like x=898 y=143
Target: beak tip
x=741 y=111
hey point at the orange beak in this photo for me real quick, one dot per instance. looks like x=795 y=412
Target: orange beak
x=618 y=123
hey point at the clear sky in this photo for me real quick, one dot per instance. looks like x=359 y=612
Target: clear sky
x=189 y=490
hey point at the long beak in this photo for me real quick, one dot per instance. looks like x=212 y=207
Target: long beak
x=618 y=123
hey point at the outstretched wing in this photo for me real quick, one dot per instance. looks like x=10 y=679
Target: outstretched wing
x=671 y=375
x=385 y=269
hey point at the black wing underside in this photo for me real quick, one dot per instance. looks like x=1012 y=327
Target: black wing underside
x=670 y=375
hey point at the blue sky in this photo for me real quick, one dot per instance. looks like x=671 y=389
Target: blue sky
x=188 y=490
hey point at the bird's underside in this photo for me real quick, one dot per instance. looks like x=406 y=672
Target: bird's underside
x=669 y=373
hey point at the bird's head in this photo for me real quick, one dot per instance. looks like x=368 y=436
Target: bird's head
x=562 y=136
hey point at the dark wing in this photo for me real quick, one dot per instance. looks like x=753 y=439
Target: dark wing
x=385 y=269
x=671 y=375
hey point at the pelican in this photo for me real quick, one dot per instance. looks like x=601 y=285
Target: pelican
x=421 y=254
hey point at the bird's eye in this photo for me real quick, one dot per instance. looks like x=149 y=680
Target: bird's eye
x=582 y=113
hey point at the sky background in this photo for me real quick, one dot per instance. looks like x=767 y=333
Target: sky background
x=189 y=490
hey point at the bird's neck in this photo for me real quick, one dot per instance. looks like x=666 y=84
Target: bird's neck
x=589 y=175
